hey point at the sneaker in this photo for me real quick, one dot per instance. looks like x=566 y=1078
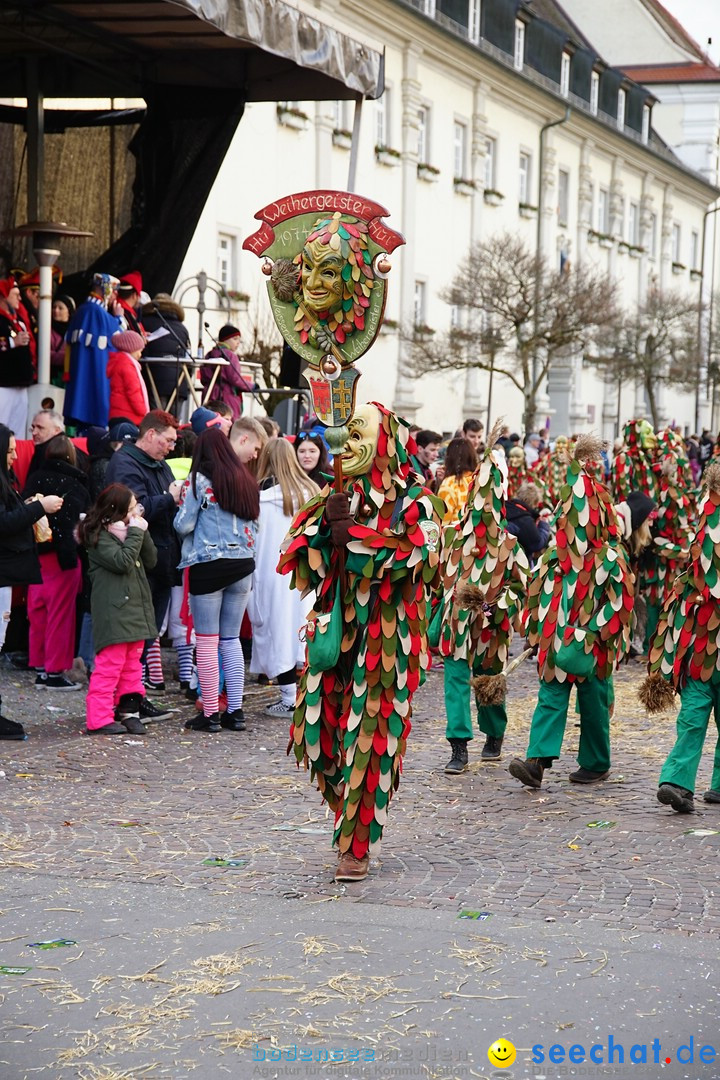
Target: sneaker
x=458 y=763
x=711 y=796
x=279 y=708
x=529 y=772
x=491 y=749
x=132 y=723
x=679 y=798
x=350 y=868
x=233 y=721
x=585 y=776
x=10 y=730
x=59 y=682
x=41 y=680
x=153 y=685
x=109 y=729
x=204 y=723
x=149 y=712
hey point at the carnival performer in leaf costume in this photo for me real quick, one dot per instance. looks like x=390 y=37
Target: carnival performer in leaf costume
x=484 y=573
x=518 y=473
x=378 y=543
x=578 y=614
x=637 y=466
x=672 y=534
x=550 y=472
x=685 y=657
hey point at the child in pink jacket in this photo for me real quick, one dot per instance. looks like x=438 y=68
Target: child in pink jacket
x=128 y=393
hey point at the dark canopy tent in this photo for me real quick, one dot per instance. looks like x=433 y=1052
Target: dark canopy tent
x=195 y=63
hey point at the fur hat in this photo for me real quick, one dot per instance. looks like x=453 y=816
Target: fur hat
x=127 y=341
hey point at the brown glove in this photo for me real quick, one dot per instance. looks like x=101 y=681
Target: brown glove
x=337 y=514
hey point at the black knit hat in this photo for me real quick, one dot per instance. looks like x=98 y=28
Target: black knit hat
x=228 y=332
x=641 y=506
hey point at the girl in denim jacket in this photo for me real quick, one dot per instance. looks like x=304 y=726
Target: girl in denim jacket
x=217 y=524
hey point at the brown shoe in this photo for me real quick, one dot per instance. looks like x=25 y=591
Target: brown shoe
x=349 y=868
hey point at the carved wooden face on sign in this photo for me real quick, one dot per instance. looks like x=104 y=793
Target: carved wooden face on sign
x=327 y=275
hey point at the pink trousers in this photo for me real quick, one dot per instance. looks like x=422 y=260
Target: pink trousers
x=51 y=611
x=117 y=671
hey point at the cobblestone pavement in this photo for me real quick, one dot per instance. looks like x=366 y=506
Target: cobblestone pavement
x=116 y=815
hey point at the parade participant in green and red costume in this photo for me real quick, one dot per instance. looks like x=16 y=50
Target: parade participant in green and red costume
x=685 y=658
x=551 y=470
x=378 y=544
x=672 y=533
x=484 y=573
x=637 y=467
x=579 y=607
x=518 y=472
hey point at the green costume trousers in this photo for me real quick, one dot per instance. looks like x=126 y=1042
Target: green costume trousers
x=653 y=618
x=550 y=717
x=492 y=719
x=698 y=699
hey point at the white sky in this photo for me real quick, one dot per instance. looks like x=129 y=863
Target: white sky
x=701 y=19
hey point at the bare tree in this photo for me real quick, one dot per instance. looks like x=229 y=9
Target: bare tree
x=657 y=344
x=521 y=315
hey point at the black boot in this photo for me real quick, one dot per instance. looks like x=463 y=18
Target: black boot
x=458 y=763
x=128 y=714
x=10 y=730
x=204 y=723
x=585 y=776
x=491 y=749
x=679 y=798
x=529 y=772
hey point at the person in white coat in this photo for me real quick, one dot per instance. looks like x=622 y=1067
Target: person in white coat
x=276 y=611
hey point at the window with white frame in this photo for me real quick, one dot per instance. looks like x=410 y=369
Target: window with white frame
x=652 y=236
x=419 y=311
x=226 y=247
x=489 y=165
x=563 y=207
x=622 y=101
x=459 y=150
x=695 y=251
x=565 y=74
x=519 y=57
x=382 y=119
x=603 y=211
x=645 y=123
x=594 y=92
x=423 y=145
x=456 y=317
x=474 y=20
x=633 y=233
x=340 y=115
x=676 y=239
x=524 y=176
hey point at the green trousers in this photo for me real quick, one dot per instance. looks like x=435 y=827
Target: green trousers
x=698 y=699
x=550 y=717
x=492 y=719
x=653 y=618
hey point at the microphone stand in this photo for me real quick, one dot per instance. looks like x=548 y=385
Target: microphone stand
x=180 y=348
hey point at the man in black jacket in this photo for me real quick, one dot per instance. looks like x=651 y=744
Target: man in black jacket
x=524 y=521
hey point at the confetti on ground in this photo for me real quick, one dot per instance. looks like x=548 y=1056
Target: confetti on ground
x=126 y=824
x=479 y=915
x=231 y=864
x=6 y=969
x=55 y=943
x=702 y=832
x=601 y=824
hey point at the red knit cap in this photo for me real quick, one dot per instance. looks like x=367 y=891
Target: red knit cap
x=133 y=279
x=6 y=284
x=127 y=341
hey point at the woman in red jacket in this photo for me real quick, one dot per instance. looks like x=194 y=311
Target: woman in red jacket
x=128 y=394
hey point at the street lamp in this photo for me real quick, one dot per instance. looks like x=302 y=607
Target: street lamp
x=538 y=237
x=46 y=239
x=706 y=215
